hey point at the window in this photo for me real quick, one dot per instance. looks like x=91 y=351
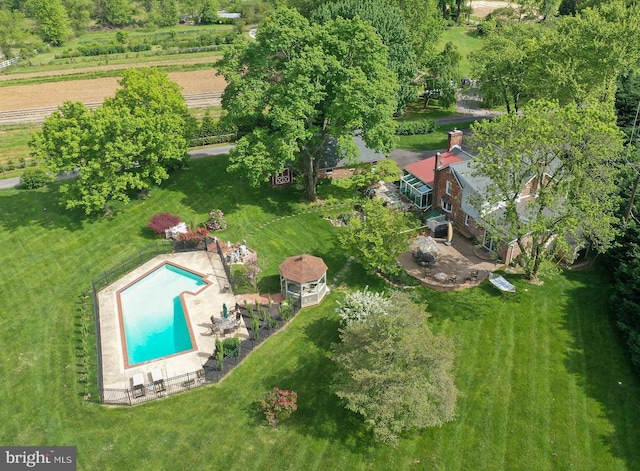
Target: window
x=446 y=205
x=467 y=219
x=447 y=189
x=328 y=171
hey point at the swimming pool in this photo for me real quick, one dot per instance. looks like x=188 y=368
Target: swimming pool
x=153 y=319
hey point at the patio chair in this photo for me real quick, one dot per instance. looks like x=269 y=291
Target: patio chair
x=138 y=385
x=473 y=276
x=158 y=381
x=215 y=328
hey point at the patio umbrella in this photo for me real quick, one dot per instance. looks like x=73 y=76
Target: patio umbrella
x=449 y=233
x=225 y=312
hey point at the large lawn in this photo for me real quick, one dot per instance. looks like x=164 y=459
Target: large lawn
x=543 y=378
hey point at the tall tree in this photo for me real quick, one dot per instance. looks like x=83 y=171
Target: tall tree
x=425 y=26
x=378 y=237
x=503 y=64
x=52 y=21
x=301 y=86
x=79 y=12
x=208 y=12
x=14 y=34
x=389 y=24
x=167 y=13
x=568 y=157
x=393 y=371
x=442 y=76
x=586 y=54
x=628 y=102
x=128 y=143
x=114 y=12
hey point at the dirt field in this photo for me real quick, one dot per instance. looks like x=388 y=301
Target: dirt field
x=28 y=97
x=24 y=97
x=483 y=8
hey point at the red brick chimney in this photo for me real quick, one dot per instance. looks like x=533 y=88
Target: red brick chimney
x=438 y=161
x=455 y=138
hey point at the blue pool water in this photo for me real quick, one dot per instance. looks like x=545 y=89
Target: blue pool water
x=154 y=323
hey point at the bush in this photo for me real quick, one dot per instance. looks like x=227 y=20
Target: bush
x=163 y=221
x=35 y=177
x=193 y=237
x=97 y=49
x=231 y=346
x=278 y=404
x=138 y=47
x=216 y=221
x=409 y=128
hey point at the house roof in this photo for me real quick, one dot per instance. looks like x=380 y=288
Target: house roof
x=472 y=186
x=331 y=158
x=425 y=169
x=303 y=268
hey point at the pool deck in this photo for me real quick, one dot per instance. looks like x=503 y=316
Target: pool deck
x=200 y=307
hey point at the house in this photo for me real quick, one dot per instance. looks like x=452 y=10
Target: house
x=418 y=183
x=336 y=166
x=447 y=183
x=333 y=164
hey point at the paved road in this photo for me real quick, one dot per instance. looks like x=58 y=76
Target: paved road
x=402 y=157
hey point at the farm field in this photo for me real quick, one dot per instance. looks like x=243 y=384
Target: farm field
x=544 y=380
x=23 y=97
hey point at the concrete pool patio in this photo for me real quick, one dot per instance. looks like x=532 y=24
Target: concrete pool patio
x=199 y=309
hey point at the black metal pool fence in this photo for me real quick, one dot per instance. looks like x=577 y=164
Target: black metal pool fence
x=213 y=370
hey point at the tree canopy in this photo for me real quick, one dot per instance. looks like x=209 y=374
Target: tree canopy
x=390 y=25
x=393 y=371
x=568 y=157
x=128 y=143
x=301 y=86
x=52 y=21
x=376 y=237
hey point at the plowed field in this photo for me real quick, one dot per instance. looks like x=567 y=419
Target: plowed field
x=23 y=97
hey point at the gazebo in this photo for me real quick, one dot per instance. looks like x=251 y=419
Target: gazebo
x=303 y=278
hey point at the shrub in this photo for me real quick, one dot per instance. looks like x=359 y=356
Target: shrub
x=286 y=309
x=409 y=128
x=278 y=404
x=138 y=47
x=357 y=306
x=193 y=237
x=163 y=221
x=35 y=177
x=216 y=221
x=231 y=346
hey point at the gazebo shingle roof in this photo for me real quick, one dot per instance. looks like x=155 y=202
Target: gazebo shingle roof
x=303 y=268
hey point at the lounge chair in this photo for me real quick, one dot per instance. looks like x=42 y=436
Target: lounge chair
x=138 y=385
x=158 y=381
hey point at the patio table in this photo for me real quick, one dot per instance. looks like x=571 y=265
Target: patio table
x=226 y=324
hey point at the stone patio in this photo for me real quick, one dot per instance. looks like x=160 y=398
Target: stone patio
x=453 y=266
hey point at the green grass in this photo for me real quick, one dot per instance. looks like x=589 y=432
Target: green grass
x=432 y=141
x=13 y=146
x=466 y=40
x=47 y=61
x=544 y=380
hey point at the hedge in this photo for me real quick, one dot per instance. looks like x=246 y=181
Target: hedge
x=409 y=128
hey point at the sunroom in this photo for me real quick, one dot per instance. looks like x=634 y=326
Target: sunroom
x=418 y=192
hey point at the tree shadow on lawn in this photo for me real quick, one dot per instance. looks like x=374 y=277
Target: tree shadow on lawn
x=598 y=358
x=28 y=208
x=320 y=412
x=206 y=185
